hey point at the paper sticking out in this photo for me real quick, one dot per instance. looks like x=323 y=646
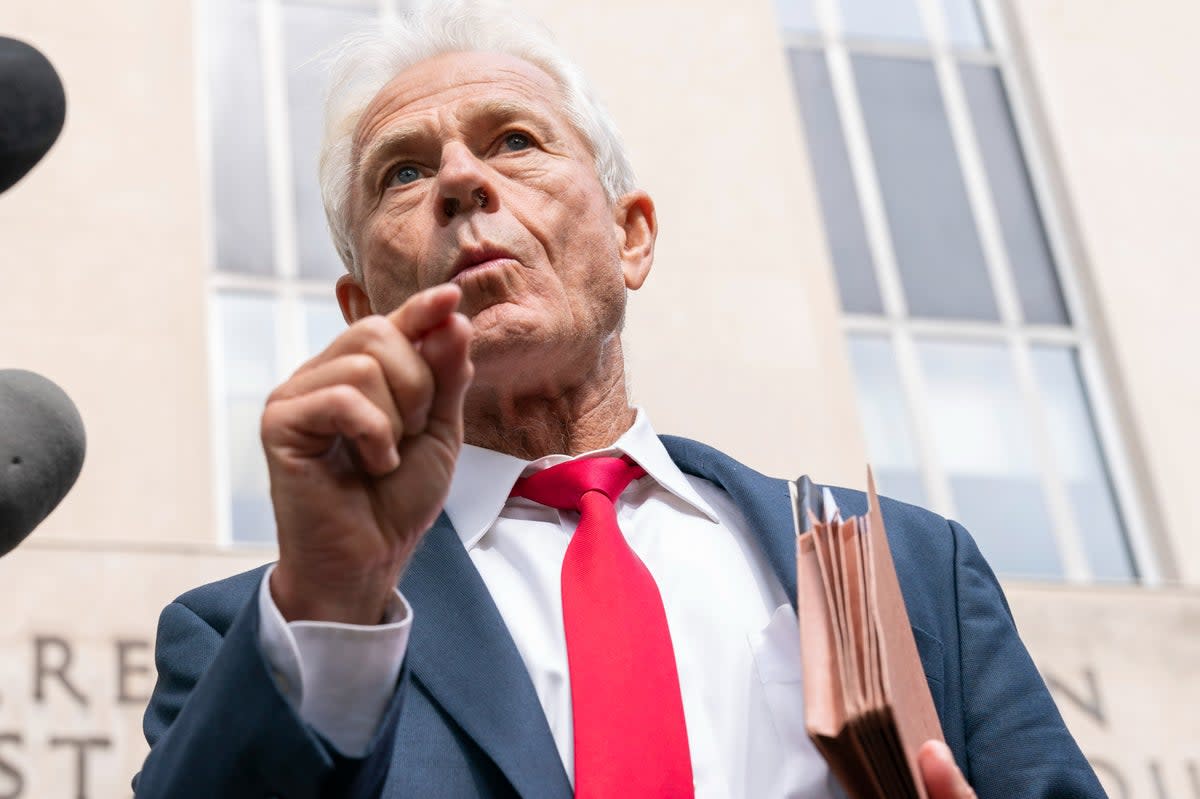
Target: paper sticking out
x=867 y=706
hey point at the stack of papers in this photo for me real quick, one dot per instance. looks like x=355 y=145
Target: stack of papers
x=866 y=703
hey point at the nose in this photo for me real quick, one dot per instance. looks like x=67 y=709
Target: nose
x=464 y=183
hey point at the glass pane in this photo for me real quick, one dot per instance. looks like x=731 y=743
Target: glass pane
x=884 y=413
x=1012 y=193
x=937 y=248
x=323 y=323
x=240 y=194
x=840 y=208
x=965 y=27
x=250 y=500
x=882 y=19
x=247 y=330
x=246 y=325
x=308 y=32
x=796 y=15
x=984 y=444
x=1081 y=464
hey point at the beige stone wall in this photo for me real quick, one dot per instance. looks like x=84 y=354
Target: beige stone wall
x=103 y=267
x=1124 y=666
x=76 y=659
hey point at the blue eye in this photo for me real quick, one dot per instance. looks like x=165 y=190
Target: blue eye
x=517 y=141
x=405 y=174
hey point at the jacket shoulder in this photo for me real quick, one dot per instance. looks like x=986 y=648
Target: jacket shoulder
x=909 y=526
x=218 y=603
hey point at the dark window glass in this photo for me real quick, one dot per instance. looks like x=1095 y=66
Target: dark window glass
x=1080 y=463
x=844 y=228
x=247 y=325
x=933 y=232
x=1012 y=192
x=884 y=413
x=984 y=442
x=242 y=229
x=309 y=31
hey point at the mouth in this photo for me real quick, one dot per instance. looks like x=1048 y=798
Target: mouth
x=473 y=260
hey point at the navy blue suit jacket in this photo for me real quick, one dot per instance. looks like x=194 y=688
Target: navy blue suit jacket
x=465 y=720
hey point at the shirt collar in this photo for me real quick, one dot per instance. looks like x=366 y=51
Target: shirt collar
x=483 y=478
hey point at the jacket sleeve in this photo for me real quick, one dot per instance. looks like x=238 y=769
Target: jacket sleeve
x=218 y=724
x=1017 y=743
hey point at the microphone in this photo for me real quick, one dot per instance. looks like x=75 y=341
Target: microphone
x=41 y=452
x=32 y=109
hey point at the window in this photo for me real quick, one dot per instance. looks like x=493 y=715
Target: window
x=273 y=265
x=976 y=375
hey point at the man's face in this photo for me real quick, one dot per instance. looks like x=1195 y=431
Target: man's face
x=468 y=171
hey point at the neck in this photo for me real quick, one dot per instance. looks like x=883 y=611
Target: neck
x=529 y=423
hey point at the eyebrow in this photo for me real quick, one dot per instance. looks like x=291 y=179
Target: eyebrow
x=485 y=113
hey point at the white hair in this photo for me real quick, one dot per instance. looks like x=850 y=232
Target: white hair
x=366 y=62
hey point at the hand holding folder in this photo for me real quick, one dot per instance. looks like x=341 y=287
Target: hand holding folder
x=867 y=706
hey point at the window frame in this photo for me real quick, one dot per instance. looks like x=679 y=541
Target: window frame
x=1018 y=337
x=284 y=284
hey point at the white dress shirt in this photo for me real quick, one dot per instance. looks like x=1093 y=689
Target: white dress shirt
x=735 y=635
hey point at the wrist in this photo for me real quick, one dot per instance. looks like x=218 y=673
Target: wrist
x=362 y=601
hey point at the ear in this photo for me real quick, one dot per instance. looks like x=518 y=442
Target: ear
x=353 y=299
x=637 y=228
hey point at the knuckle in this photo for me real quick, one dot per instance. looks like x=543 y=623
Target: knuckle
x=417 y=387
x=343 y=397
x=361 y=369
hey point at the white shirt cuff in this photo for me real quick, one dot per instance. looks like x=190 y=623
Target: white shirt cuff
x=339 y=677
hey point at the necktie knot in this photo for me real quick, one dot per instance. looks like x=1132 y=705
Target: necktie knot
x=563 y=486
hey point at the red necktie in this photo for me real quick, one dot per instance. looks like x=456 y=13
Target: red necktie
x=630 y=736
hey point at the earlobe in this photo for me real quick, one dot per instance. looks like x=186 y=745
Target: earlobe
x=353 y=299
x=637 y=229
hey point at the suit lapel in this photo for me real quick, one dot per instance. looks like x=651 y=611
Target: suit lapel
x=465 y=657
x=764 y=501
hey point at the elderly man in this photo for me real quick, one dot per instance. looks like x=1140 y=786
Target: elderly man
x=582 y=605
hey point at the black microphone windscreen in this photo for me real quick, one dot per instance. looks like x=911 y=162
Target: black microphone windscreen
x=41 y=451
x=32 y=109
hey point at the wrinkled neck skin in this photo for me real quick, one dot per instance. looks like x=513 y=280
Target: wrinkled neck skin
x=573 y=411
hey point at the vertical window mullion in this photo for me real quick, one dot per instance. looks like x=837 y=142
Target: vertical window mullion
x=1130 y=493
x=971 y=163
x=841 y=77
x=1020 y=106
x=862 y=164
x=936 y=480
x=289 y=330
x=1066 y=531
x=1124 y=483
x=219 y=423
x=1138 y=515
x=276 y=114
x=219 y=444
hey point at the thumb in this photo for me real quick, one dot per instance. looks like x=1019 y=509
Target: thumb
x=943 y=780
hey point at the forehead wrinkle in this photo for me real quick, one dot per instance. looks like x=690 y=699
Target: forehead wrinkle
x=489 y=109
x=396 y=139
